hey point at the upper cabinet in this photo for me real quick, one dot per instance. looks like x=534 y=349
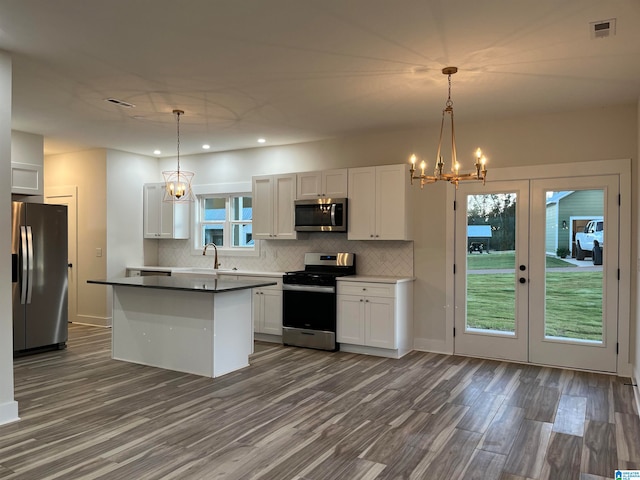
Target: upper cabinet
x=26 y=179
x=164 y=219
x=378 y=203
x=328 y=183
x=273 y=197
x=27 y=162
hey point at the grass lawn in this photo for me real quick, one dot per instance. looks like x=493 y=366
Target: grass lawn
x=573 y=303
x=485 y=261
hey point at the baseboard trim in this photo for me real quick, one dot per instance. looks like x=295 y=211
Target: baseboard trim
x=94 y=321
x=377 y=352
x=9 y=412
x=432 y=346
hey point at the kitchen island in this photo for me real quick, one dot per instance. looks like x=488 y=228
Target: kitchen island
x=192 y=325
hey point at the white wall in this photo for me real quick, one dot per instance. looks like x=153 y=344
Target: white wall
x=126 y=174
x=635 y=312
x=27 y=148
x=87 y=170
x=8 y=406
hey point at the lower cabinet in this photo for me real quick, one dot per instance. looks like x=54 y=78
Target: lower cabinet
x=267 y=311
x=266 y=306
x=377 y=316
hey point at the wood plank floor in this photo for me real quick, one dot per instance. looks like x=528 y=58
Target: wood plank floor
x=302 y=414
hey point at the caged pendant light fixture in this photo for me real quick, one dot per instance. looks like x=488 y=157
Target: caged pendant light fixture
x=177 y=183
x=454 y=176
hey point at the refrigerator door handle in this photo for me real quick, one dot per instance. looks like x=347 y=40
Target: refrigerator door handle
x=24 y=265
x=30 y=251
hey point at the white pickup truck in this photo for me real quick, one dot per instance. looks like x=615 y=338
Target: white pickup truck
x=593 y=235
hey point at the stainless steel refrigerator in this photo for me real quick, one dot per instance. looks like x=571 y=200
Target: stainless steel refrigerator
x=39 y=276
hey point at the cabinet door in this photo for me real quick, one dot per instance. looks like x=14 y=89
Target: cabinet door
x=262 y=207
x=362 y=203
x=271 y=312
x=152 y=203
x=26 y=179
x=283 y=208
x=391 y=217
x=166 y=216
x=335 y=183
x=380 y=325
x=309 y=185
x=350 y=320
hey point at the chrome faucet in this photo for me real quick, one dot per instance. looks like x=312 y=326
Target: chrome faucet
x=216 y=265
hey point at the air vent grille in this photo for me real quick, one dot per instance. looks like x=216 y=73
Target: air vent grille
x=603 y=28
x=120 y=103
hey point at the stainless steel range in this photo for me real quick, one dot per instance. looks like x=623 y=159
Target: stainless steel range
x=309 y=300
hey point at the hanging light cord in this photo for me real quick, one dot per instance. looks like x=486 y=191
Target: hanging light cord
x=178 y=113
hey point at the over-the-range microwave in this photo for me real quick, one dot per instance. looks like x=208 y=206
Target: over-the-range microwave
x=321 y=215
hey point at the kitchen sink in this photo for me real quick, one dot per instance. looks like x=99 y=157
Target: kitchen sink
x=197 y=271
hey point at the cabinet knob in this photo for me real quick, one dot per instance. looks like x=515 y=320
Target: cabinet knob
x=377 y=236
x=371 y=235
x=361 y=300
x=366 y=301
x=364 y=289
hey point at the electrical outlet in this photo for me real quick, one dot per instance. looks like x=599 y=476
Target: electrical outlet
x=98 y=252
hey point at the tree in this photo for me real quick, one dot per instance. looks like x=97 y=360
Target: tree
x=499 y=211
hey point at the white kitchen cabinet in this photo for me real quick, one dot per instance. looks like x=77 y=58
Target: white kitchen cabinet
x=26 y=179
x=375 y=318
x=267 y=311
x=266 y=306
x=327 y=183
x=164 y=219
x=379 y=207
x=273 y=197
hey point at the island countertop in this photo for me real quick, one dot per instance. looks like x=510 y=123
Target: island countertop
x=215 y=285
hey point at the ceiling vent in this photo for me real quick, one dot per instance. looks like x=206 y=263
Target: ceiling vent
x=603 y=28
x=120 y=103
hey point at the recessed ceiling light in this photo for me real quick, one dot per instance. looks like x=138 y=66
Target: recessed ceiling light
x=261 y=140
x=157 y=152
x=206 y=146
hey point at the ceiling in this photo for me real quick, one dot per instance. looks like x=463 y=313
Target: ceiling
x=301 y=70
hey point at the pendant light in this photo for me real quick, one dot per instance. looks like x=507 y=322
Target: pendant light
x=177 y=183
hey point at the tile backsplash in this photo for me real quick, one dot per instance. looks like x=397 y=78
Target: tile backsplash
x=394 y=258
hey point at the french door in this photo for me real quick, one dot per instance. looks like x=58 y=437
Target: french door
x=516 y=298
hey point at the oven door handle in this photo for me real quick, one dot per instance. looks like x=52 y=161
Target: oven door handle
x=308 y=288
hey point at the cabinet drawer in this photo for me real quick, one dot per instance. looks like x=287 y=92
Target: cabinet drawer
x=367 y=289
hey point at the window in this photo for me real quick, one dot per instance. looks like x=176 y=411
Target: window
x=226 y=221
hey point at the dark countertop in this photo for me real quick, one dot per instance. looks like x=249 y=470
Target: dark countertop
x=214 y=285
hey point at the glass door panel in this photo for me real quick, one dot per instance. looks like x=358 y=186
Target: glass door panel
x=491 y=266
x=575 y=325
x=491 y=261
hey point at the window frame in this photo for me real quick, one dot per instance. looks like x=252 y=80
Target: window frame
x=228 y=192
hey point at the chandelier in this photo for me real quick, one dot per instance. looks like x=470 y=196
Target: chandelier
x=177 y=183
x=454 y=176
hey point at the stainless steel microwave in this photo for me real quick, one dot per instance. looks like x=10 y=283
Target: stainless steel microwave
x=321 y=215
